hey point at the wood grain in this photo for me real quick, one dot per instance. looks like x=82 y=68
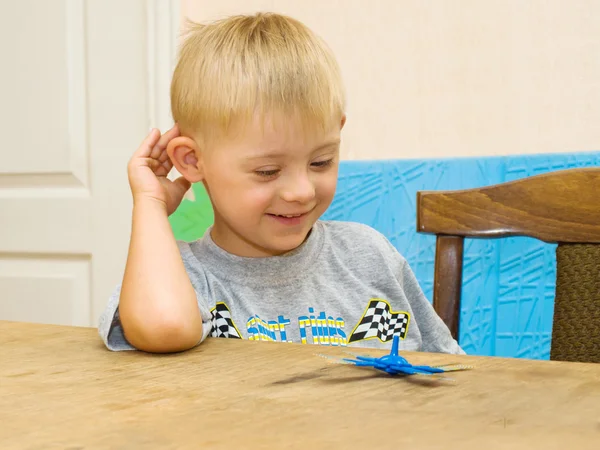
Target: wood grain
x=60 y=388
x=561 y=206
x=447 y=280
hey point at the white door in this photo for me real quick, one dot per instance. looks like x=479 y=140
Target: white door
x=81 y=82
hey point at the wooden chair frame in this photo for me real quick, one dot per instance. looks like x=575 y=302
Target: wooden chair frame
x=555 y=207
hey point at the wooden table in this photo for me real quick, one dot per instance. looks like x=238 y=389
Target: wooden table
x=61 y=389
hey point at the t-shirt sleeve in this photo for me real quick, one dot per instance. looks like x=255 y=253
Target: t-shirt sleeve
x=436 y=336
x=109 y=325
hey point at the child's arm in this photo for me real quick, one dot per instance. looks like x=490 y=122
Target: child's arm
x=157 y=306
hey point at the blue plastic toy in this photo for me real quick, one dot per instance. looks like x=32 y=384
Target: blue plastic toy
x=395 y=364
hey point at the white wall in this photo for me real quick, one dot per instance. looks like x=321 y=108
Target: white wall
x=455 y=78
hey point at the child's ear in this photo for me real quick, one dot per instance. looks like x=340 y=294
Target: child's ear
x=343 y=121
x=185 y=154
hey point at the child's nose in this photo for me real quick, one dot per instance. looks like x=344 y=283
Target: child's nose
x=298 y=189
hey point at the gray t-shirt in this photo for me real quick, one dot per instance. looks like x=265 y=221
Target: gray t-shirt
x=345 y=285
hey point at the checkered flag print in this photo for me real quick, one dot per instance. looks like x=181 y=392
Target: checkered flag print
x=379 y=321
x=222 y=323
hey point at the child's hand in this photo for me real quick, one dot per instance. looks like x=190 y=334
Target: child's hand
x=148 y=169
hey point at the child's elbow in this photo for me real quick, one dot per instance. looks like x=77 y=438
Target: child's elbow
x=165 y=334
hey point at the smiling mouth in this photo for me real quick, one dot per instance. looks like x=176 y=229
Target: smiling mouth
x=289 y=216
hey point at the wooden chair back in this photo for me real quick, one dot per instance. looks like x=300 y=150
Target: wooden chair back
x=560 y=207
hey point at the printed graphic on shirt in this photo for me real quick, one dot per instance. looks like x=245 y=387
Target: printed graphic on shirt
x=324 y=330
x=320 y=329
x=379 y=321
x=263 y=330
x=222 y=323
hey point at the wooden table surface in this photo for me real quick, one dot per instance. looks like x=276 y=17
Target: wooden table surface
x=61 y=389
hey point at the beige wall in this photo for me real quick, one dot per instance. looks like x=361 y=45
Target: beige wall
x=455 y=78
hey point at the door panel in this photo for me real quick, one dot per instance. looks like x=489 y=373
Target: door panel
x=75 y=90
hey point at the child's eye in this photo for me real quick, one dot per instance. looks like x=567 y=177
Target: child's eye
x=267 y=173
x=321 y=164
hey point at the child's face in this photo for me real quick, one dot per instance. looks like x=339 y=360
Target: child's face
x=258 y=178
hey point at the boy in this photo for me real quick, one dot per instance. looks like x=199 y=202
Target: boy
x=259 y=107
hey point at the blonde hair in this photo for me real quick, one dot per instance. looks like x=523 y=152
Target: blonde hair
x=266 y=64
